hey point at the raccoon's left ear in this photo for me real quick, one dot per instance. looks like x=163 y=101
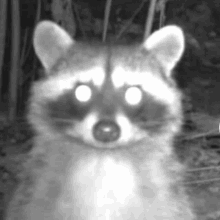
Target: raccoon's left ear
x=50 y=43
x=167 y=44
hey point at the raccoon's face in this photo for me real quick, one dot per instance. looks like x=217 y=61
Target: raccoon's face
x=106 y=96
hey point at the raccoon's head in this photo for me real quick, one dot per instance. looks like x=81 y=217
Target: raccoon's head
x=106 y=96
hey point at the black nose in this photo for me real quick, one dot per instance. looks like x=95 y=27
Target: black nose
x=106 y=131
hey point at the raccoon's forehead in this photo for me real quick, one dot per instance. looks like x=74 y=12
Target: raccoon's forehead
x=119 y=67
x=149 y=80
x=84 y=65
x=144 y=70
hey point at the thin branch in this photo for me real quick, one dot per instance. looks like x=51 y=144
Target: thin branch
x=127 y=25
x=150 y=18
x=106 y=19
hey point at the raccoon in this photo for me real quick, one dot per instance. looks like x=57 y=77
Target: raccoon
x=105 y=119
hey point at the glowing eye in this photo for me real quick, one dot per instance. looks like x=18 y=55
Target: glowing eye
x=133 y=95
x=83 y=93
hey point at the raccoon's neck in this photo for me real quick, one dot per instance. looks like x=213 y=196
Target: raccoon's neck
x=105 y=188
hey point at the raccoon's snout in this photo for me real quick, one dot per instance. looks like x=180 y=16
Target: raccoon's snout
x=106 y=131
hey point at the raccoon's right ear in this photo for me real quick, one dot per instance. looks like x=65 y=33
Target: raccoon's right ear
x=50 y=43
x=167 y=44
